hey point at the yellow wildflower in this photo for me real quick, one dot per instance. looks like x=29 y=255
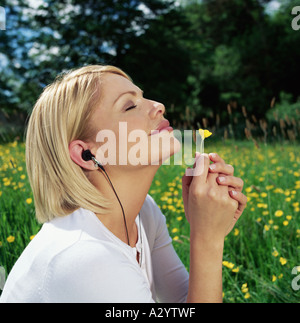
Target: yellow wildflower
x=228 y=264
x=279 y=213
x=236 y=232
x=283 y=261
x=245 y=288
x=10 y=239
x=29 y=200
x=204 y=133
x=247 y=295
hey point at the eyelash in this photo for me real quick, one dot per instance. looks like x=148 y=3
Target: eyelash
x=134 y=106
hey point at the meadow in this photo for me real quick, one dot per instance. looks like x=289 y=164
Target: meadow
x=262 y=254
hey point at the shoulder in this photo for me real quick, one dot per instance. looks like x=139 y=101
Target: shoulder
x=151 y=213
x=154 y=223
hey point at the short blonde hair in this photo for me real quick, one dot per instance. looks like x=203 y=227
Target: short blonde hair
x=62 y=114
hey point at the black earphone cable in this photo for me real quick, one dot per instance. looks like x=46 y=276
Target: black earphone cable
x=87 y=155
x=128 y=242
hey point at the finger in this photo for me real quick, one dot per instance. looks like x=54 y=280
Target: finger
x=235 y=182
x=214 y=157
x=200 y=171
x=221 y=168
x=186 y=181
x=240 y=198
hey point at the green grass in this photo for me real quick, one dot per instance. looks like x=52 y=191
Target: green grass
x=262 y=250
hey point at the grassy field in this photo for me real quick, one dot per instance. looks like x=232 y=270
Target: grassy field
x=260 y=254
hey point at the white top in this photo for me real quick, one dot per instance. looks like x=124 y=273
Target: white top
x=77 y=259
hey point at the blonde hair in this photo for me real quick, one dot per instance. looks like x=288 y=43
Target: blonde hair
x=62 y=114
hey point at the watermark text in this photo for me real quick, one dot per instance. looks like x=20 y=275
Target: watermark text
x=296 y=20
x=2 y=19
x=2 y=278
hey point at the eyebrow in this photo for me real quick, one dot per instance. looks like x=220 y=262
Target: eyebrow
x=128 y=92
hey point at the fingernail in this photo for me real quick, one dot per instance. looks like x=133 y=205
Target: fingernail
x=234 y=193
x=222 y=179
x=212 y=167
x=213 y=155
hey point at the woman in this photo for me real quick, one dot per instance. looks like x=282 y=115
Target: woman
x=104 y=239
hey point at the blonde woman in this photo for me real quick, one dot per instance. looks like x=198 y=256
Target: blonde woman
x=104 y=239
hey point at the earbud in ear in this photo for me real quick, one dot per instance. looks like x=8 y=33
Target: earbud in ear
x=87 y=155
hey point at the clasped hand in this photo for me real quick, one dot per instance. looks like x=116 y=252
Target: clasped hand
x=213 y=200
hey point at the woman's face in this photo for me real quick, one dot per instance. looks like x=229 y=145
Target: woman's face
x=124 y=123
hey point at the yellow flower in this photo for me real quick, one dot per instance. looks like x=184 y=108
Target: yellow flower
x=204 y=133
x=274 y=278
x=247 y=295
x=174 y=230
x=285 y=223
x=236 y=270
x=279 y=213
x=29 y=200
x=283 y=261
x=275 y=253
x=228 y=264
x=10 y=239
x=31 y=237
x=245 y=288
x=236 y=232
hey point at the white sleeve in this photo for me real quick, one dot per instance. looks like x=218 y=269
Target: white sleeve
x=90 y=273
x=170 y=276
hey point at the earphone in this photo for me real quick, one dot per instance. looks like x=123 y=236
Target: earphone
x=86 y=156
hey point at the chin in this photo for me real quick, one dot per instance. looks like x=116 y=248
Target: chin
x=162 y=151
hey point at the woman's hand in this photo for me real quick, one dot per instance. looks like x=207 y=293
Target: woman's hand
x=235 y=184
x=209 y=208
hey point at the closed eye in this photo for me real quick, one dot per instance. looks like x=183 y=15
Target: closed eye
x=134 y=106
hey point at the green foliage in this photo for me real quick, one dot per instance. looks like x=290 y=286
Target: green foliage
x=262 y=250
x=197 y=55
x=285 y=109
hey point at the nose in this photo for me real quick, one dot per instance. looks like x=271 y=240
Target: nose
x=157 y=109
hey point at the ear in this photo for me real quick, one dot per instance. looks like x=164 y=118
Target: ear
x=76 y=149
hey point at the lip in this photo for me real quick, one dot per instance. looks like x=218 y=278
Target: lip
x=164 y=125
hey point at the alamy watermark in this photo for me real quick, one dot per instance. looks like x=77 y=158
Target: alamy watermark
x=296 y=281
x=2 y=278
x=296 y=20
x=2 y=19
x=138 y=147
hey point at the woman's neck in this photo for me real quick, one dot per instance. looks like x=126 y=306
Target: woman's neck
x=132 y=189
